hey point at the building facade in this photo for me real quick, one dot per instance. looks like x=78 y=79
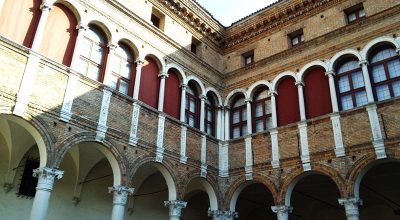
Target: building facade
x=151 y=109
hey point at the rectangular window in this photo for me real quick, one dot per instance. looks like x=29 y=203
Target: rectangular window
x=354 y=13
x=296 y=37
x=157 y=19
x=195 y=46
x=248 y=58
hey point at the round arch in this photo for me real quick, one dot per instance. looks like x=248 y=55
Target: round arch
x=197 y=81
x=253 y=88
x=106 y=148
x=216 y=93
x=198 y=183
x=103 y=27
x=158 y=58
x=75 y=9
x=234 y=93
x=178 y=69
x=375 y=42
x=281 y=76
x=308 y=66
x=338 y=56
x=131 y=46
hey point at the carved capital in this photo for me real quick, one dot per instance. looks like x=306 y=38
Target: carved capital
x=175 y=207
x=330 y=73
x=272 y=93
x=215 y=214
x=111 y=46
x=363 y=62
x=46 y=177
x=46 y=5
x=351 y=206
x=139 y=62
x=230 y=215
x=299 y=83
x=203 y=98
x=163 y=75
x=248 y=100
x=121 y=194
x=282 y=209
x=82 y=27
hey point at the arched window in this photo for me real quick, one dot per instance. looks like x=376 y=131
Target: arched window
x=59 y=35
x=149 y=83
x=19 y=20
x=238 y=117
x=123 y=70
x=192 y=106
x=210 y=116
x=93 y=53
x=350 y=85
x=262 y=111
x=287 y=102
x=385 y=71
x=172 y=94
x=317 y=96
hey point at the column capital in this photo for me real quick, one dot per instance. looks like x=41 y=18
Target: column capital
x=82 y=27
x=299 y=83
x=112 y=46
x=184 y=86
x=282 y=209
x=203 y=98
x=175 y=207
x=215 y=214
x=227 y=107
x=230 y=215
x=121 y=194
x=398 y=51
x=330 y=73
x=163 y=75
x=272 y=93
x=351 y=206
x=46 y=177
x=139 y=61
x=363 y=62
x=47 y=5
x=248 y=100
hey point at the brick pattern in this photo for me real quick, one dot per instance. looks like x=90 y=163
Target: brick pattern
x=356 y=128
x=12 y=72
x=172 y=135
x=193 y=144
x=237 y=154
x=262 y=149
x=320 y=136
x=289 y=142
x=212 y=152
x=120 y=114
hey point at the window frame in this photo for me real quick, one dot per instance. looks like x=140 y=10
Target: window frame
x=190 y=97
x=299 y=35
x=356 y=9
x=246 y=56
x=132 y=70
x=389 y=81
x=264 y=116
x=209 y=107
x=352 y=91
x=241 y=123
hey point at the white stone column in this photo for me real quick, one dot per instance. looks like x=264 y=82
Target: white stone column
x=161 y=93
x=223 y=159
x=378 y=142
x=110 y=62
x=77 y=48
x=282 y=211
x=175 y=208
x=248 y=113
x=203 y=99
x=351 y=207
x=301 y=100
x=218 y=127
x=337 y=135
x=227 y=123
x=332 y=90
x=134 y=124
x=160 y=139
x=273 y=109
x=46 y=6
x=183 y=102
x=203 y=156
x=367 y=80
x=139 y=63
x=216 y=214
x=183 y=157
x=275 y=148
x=249 y=158
x=102 y=123
x=120 y=198
x=305 y=153
x=46 y=177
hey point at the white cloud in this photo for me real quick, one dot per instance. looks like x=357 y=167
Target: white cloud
x=229 y=11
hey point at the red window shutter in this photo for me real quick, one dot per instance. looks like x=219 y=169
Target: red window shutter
x=172 y=97
x=149 y=84
x=316 y=93
x=287 y=102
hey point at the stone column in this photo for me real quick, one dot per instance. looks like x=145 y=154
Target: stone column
x=46 y=6
x=110 y=62
x=203 y=99
x=183 y=102
x=301 y=100
x=282 y=211
x=139 y=63
x=332 y=90
x=218 y=127
x=367 y=80
x=162 y=76
x=227 y=123
x=248 y=115
x=120 y=198
x=77 y=48
x=175 y=208
x=46 y=177
x=273 y=109
x=351 y=207
x=216 y=214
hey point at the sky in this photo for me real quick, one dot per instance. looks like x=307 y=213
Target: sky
x=229 y=11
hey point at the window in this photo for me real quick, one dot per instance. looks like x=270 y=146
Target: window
x=195 y=46
x=355 y=13
x=296 y=37
x=248 y=58
x=350 y=85
x=238 y=118
x=93 y=54
x=28 y=182
x=209 y=119
x=121 y=78
x=157 y=19
x=385 y=74
x=192 y=107
x=262 y=113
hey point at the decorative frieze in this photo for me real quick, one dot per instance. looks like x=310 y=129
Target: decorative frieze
x=102 y=123
x=378 y=142
x=203 y=156
x=66 y=109
x=134 y=124
x=160 y=138
x=223 y=159
x=249 y=159
x=337 y=135
x=275 y=148
x=183 y=157
x=305 y=154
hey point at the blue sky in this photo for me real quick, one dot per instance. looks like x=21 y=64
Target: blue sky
x=229 y=11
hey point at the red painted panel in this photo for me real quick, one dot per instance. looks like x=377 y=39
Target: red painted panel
x=149 y=83
x=316 y=93
x=59 y=35
x=287 y=102
x=172 y=97
x=19 y=20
